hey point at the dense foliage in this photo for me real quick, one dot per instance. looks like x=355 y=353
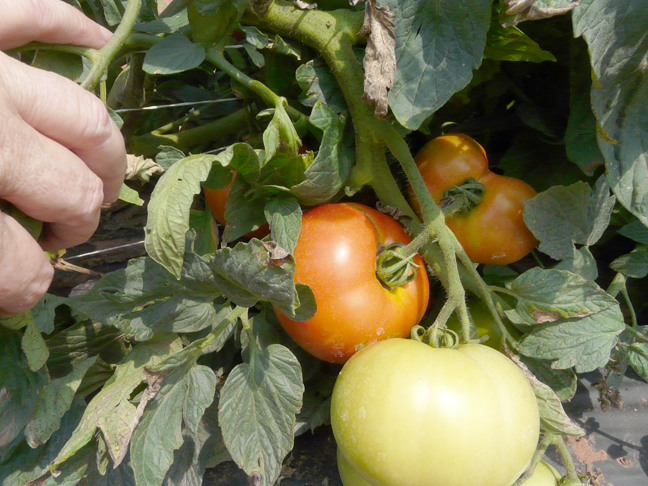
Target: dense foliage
x=177 y=362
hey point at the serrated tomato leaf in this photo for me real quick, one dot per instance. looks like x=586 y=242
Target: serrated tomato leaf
x=619 y=99
x=563 y=216
x=545 y=295
x=169 y=209
x=173 y=54
x=257 y=410
x=54 y=401
x=633 y=264
x=100 y=412
x=284 y=215
x=247 y=275
x=20 y=387
x=326 y=175
x=185 y=394
x=583 y=343
x=438 y=44
x=637 y=354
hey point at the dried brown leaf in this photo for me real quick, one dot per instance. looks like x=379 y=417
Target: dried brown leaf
x=380 y=56
x=527 y=9
x=141 y=168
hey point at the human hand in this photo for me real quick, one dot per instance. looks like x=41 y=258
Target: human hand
x=61 y=155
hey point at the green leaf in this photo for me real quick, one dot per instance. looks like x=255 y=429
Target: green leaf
x=55 y=401
x=633 y=264
x=562 y=382
x=318 y=84
x=33 y=345
x=200 y=450
x=325 y=177
x=66 y=64
x=173 y=54
x=547 y=295
x=438 y=44
x=185 y=394
x=257 y=411
x=280 y=134
x=142 y=300
x=552 y=415
x=104 y=409
x=580 y=137
x=511 y=44
x=130 y=195
x=169 y=209
x=247 y=275
x=583 y=343
x=20 y=387
x=563 y=216
x=242 y=214
x=636 y=231
x=582 y=263
x=284 y=215
x=619 y=100
x=167 y=156
x=21 y=464
x=167 y=25
x=638 y=360
x=215 y=20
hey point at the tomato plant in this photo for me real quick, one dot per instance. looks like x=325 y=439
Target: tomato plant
x=336 y=256
x=493 y=231
x=190 y=82
x=404 y=413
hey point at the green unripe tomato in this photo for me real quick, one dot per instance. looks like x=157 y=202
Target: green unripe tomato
x=348 y=475
x=406 y=414
x=483 y=322
x=544 y=475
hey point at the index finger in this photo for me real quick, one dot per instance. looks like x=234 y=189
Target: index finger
x=51 y=21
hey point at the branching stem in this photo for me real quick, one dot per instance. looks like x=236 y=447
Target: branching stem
x=108 y=52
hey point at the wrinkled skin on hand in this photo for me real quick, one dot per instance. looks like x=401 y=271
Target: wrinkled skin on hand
x=61 y=155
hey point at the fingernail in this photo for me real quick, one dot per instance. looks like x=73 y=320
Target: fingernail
x=106 y=34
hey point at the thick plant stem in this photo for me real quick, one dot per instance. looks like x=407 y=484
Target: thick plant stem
x=559 y=442
x=333 y=35
x=108 y=52
x=149 y=143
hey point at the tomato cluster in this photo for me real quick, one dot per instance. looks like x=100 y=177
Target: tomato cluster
x=492 y=231
x=403 y=412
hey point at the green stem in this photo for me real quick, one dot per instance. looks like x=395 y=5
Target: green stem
x=617 y=284
x=559 y=442
x=87 y=52
x=636 y=334
x=108 y=52
x=626 y=298
x=148 y=144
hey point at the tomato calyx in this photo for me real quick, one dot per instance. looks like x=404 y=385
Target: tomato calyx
x=394 y=267
x=463 y=197
x=436 y=337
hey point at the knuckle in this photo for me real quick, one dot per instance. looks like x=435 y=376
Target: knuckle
x=97 y=125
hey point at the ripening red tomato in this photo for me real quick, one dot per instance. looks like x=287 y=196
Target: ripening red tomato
x=216 y=200
x=493 y=231
x=336 y=256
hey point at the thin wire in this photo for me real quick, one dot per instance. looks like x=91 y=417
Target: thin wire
x=105 y=250
x=188 y=103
